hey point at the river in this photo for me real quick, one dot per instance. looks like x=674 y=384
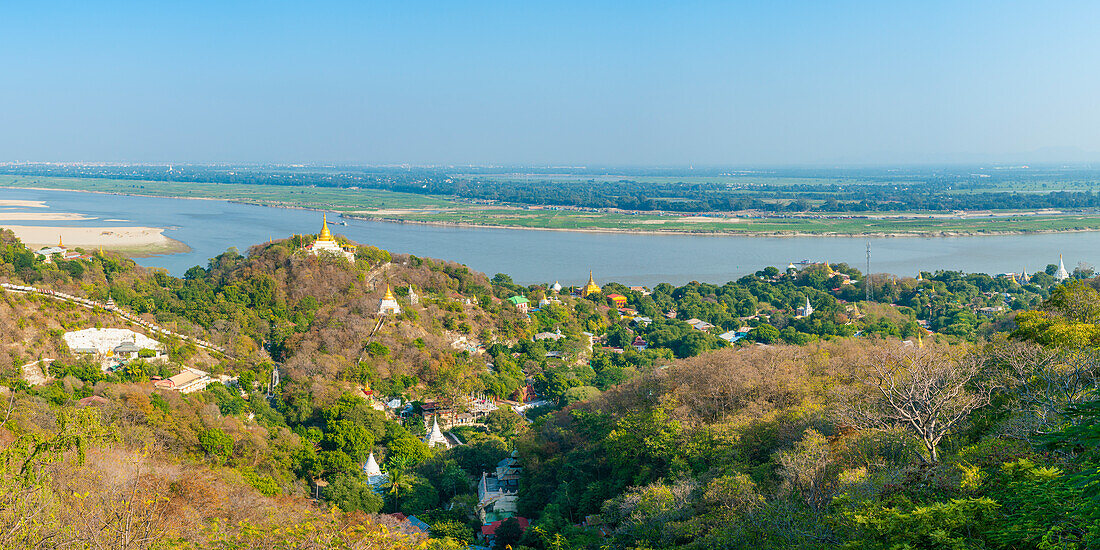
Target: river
x=210 y=227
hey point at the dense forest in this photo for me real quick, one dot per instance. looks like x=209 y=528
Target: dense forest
x=808 y=191
x=951 y=411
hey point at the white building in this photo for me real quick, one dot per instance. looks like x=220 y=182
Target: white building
x=435 y=436
x=1061 y=274
x=414 y=298
x=108 y=343
x=375 y=476
x=388 y=304
x=806 y=310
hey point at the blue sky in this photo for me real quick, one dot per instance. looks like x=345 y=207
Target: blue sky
x=577 y=83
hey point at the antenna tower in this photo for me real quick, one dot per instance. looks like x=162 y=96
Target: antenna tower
x=867 y=274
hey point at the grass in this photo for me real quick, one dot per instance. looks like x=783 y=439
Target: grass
x=407 y=207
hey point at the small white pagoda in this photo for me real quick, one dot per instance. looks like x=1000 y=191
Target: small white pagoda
x=435 y=435
x=388 y=304
x=1061 y=274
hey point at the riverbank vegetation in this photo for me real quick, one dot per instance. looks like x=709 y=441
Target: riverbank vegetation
x=952 y=410
x=956 y=201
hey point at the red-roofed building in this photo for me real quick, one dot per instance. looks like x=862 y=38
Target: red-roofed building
x=618 y=299
x=490 y=530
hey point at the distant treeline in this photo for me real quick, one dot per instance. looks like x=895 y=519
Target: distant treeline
x=828 y=192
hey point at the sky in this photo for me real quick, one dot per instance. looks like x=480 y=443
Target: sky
x=686 y=83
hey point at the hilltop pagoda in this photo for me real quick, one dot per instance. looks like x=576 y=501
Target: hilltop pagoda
x=326 y=244
x=388 y=304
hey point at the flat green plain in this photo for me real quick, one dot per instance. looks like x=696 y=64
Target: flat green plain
x=415 y=208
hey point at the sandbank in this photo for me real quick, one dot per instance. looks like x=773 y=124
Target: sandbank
x=41 y=216
x=133 y=241
x=23 y=204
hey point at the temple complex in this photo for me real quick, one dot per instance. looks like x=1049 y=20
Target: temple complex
x=326 y=244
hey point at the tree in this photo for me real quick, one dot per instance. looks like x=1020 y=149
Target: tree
x=350 y=493
x=807 y=470
x=928 y=391
x=216 y=443
x=508 y=534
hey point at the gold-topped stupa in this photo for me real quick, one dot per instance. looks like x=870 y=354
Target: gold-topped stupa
x=389 y=294
x=325 y=235
x=591 y=287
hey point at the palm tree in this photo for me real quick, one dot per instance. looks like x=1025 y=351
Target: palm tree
x=400 y=479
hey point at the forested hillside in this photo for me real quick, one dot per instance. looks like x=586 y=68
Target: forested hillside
x=954 y=410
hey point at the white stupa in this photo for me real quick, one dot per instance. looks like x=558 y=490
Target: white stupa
x=1061 y=274
x=556 y=287
x=388 y=304
x=806 y=310
x=371 y=467
x=435 y=436
x=375 y=477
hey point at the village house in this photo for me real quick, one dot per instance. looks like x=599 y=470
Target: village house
x=189 y=380
x=618 y=299
x=519 y=302
x=699 y=324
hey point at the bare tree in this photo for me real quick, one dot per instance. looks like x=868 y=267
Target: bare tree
x=928 y=391
x=1044 y=381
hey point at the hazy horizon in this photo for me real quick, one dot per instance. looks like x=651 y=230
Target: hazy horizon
x=705 y=84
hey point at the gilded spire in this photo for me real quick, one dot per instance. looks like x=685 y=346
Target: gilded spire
x=325 y=235
x=591 y=287
x=59 y=245
x=389 y=294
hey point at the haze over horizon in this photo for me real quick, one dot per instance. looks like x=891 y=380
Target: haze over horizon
x=696 y=83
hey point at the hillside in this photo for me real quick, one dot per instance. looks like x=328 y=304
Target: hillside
x=776 y=411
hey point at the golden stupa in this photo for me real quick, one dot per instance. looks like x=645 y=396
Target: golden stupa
x=389 y=294
x=325 y=235
x=591 y=287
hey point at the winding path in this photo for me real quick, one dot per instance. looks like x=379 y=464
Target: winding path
x=90 y=304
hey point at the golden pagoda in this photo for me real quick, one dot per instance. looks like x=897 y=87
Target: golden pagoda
x=388 y=304
x=326 y=244
x=828 y=268
x=591 y=287
x=325 y=235
x=59 y=245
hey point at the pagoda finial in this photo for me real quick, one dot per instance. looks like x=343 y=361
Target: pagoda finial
x=389 y=293
x=325 y=235
x=59 y=245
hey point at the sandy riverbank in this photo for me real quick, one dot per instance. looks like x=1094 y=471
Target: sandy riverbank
x=133 y=241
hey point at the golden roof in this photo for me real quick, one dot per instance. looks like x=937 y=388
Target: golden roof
x=59 y=245
x=389 y=294
x=325 y=235
x=591 y=287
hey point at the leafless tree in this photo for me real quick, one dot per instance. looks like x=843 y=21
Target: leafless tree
x=1046 y=380
x=929 y=391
